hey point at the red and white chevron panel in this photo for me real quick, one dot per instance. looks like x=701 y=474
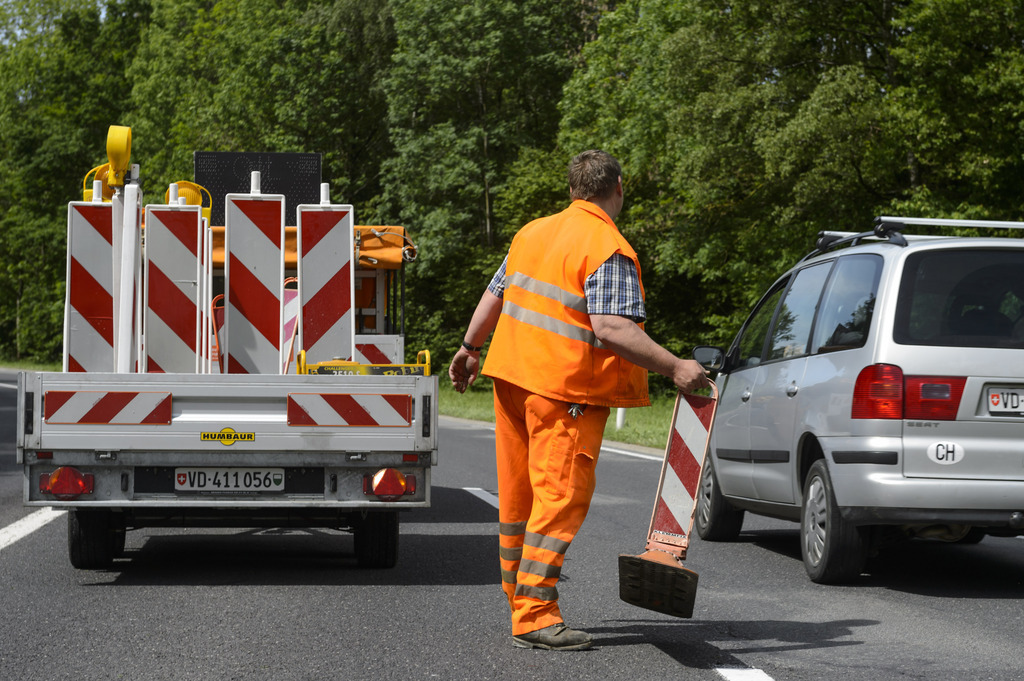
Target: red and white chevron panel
x=125 y=408
x=89 y=301
x=379 y=349
x=254 y=283
x=173 y=305
x=680 y=476
x=326 y=281
x=342 y=409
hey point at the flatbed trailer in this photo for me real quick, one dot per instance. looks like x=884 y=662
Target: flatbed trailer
x=323 y=438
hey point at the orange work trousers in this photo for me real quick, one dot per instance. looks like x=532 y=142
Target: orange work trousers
x=546 y=477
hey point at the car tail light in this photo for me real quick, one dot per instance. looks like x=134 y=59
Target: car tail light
x=388 y=484
x=878 y=393
x=936 y=398
x=66 y=483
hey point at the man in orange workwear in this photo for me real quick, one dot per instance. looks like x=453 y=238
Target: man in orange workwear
x=565 y=308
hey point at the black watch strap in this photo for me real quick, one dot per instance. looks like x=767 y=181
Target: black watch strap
x=471 y=348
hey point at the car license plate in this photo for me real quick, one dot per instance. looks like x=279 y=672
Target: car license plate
x=229 y=480
x=1005 y=401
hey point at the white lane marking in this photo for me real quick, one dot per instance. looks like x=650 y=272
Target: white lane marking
x=636 y=455
x=743 y=674
x=27 y=525
x=483 y=494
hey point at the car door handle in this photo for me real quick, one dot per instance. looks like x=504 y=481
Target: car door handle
x=792 y=390
x=745 y=395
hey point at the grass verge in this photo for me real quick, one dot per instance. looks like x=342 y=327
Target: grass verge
x=19 y=365
x=646 y=426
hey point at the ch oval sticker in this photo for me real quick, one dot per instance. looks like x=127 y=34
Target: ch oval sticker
x=946 y=453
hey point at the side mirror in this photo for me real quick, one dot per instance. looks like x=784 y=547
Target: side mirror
x=710 y=357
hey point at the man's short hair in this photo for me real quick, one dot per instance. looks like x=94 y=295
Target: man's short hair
x=593 y=174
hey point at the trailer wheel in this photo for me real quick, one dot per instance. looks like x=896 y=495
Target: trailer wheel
x=376 y=540
x=93 y=541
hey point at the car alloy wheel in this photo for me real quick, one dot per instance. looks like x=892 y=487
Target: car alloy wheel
x=833 y=550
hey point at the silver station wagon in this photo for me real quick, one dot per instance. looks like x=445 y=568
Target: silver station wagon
x=876 y=392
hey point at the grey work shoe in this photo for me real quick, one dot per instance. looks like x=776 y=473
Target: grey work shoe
x=556 y=637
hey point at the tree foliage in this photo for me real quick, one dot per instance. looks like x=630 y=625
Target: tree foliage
x=61 y=86
x=744 y=127
x=473 y=85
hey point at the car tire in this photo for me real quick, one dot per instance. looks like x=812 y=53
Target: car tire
x=715 y=519
x=92 y=539
x=376 y=540
x=834 y=551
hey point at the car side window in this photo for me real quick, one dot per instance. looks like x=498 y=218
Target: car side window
x=752 y=341
x=791 y=333
x=846 y=309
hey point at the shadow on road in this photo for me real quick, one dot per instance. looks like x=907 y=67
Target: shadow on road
x=705 y=645
x=428 y=553
x=992 y=569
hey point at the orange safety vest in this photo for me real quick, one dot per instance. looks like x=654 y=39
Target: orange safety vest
x=544 y=341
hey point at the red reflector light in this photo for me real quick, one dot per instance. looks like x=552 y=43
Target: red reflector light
x=935 y=398
x=40 y=456
x=878 y=393
x=66 y=483
x=388 y=484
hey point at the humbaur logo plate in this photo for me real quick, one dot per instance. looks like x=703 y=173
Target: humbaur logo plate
x=228 y=437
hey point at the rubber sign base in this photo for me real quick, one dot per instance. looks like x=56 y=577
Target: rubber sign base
x=656 y=581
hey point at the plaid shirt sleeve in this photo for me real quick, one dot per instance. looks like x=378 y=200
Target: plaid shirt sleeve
x=614 y=288
x=497 y=285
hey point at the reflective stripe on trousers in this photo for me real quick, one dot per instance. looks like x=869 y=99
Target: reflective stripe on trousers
x=546 y=462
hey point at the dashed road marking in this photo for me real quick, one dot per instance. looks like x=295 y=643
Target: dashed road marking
x=744 y=674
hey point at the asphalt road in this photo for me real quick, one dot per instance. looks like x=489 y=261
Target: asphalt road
x=282 y=605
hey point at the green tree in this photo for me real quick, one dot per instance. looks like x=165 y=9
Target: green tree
x=744 y=128
x=960 y=102
x=262 y=75
x=62 y=65
x=474 y=84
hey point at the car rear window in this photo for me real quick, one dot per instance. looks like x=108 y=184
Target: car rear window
x=971 y=298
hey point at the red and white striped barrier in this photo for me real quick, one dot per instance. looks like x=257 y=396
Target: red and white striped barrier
x=98 y=407
x=326 y=281
x=254 y=283
x=89 y=301
x=379 y=349
x=173 y=301
x=291 y=323
x=338 y=409
x=672 y=520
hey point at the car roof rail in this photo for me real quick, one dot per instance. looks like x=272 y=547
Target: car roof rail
x=943 y=222
x=891 y=229
x=829 y=240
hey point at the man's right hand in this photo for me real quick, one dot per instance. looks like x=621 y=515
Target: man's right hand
x=689 y=376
